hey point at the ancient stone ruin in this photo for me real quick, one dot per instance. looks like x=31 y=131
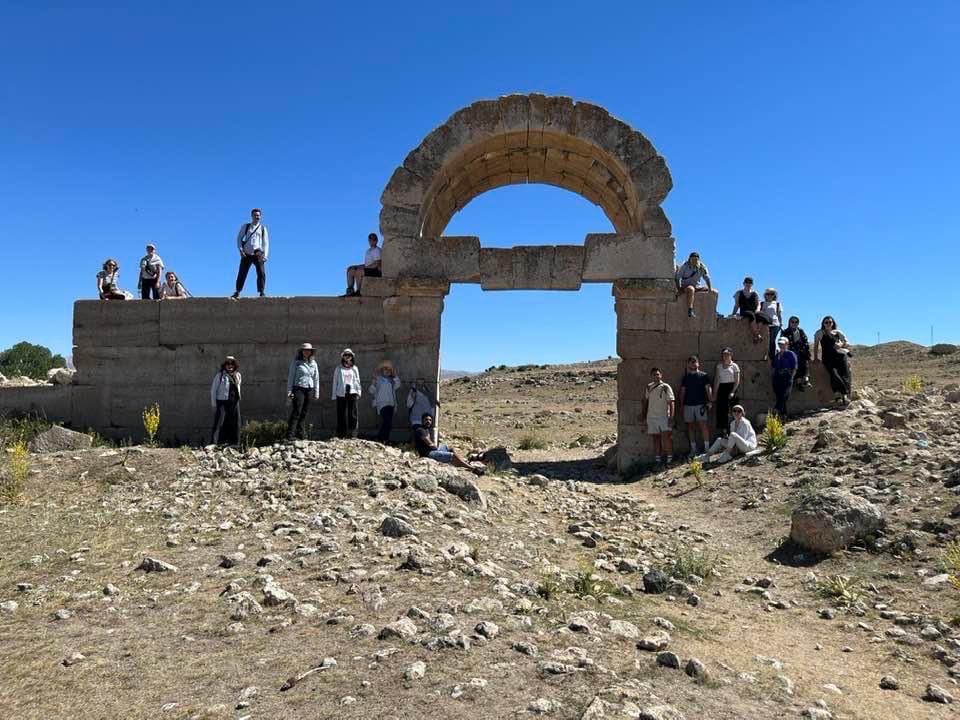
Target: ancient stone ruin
x=130 y=354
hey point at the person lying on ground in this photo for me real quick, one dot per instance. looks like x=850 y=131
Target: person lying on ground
x=741 y=439
x=426 y=447
x=687 y=279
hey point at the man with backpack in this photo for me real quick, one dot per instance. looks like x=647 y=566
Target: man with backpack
x=253 y=242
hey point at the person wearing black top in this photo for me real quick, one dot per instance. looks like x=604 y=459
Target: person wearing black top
x=696 y=399
x=800 y=346
x=746 y=302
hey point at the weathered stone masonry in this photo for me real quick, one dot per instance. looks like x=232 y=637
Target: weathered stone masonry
x=131 y=354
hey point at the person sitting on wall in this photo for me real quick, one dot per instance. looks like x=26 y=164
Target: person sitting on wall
x=741 y=439
x=370 y=268
x=253 y=242
x=303 y=385
x=225 y=399
x=657 y=416
x=108 y=279
x=746 y=302
x=696 y=398
x=688 y=277
x=151 y=270
x=419 y=403
x=173 y=289
x=427 y=447
x=784 y=368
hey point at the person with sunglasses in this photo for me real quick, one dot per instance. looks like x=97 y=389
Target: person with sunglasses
x=346 y=393
x=108 y=281
x=746 y=303
x=303 y=385
x=742 y=438
x=830 y=341
x=800 y=346
x=225 y=400
x=771 y=314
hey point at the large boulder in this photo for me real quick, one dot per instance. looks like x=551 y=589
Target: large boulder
x=60 y=376
x=831 y=519
x=498 y=457
x=59 y=438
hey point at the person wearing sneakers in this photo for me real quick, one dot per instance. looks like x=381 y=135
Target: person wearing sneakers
x=427 y=447
x=346 y=392
x=784 y=367
x=726 y=382
x=225 y=401
x=771 y=314
x=696 y=398
x=384 y=391
x=688 y=277
x=370 y=268
x=657 y=416
x=419 y=403
x=742 y=439
x=253 y=242
x=303 y=385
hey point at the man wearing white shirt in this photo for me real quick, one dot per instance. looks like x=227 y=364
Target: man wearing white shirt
x=253 y=242
x=370 y=268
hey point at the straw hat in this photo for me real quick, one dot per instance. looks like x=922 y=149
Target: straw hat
x=347 y=351
x=386 y=364
x=306 y=346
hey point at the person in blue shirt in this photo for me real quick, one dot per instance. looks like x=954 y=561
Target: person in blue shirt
x=784 y=368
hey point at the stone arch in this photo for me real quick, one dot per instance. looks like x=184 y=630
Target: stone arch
x=527 y=138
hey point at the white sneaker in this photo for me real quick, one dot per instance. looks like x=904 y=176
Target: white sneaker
x=723 y=458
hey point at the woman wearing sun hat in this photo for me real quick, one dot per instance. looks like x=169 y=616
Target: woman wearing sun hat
x=346 y=391
x=225 y=400
x=303 y=384
x=383 y=388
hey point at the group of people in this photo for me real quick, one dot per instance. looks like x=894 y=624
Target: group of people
x=253 y=244
x=303 y=388
x=699 y=394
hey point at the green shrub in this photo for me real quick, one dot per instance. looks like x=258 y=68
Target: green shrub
x=532 y=442
x=839 y=588
x=775 y=435
x=912 y=384
x=258 y=433
x=685 y=562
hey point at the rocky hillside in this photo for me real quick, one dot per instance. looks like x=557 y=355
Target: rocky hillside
x=347 y=580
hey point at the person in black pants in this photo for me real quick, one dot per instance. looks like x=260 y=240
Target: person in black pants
x=225 y=399
x=253 y=242
x=784 y=366
x=346 y=392
x=726 y=381
x=303 y=383
x=832 y=343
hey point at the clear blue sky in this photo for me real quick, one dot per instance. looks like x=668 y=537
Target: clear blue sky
x=814 y=146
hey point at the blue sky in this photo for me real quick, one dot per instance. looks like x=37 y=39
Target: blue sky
x=813 y=146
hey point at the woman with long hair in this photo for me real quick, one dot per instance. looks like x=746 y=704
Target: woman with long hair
x=831 y=343
x=303 y=385
x=108 y=281
x=800 y=346
x=225 y=400
x=346 y=393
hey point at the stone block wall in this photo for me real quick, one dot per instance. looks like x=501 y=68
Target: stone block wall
x=133 y=354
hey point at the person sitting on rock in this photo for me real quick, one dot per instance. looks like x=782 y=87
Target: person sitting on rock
x=383 y=389
x=784 y=367
x=741 y=439
x=173 y=289
x=746 y=302
x=108 y=279
x=832 y=343
x=800 y=347
x=696 y=398
x=688 y=277
x=726 y=382
x=370 y=268
x=419 y=403
x=303 y=385
x=657 y=416
x=427 y=447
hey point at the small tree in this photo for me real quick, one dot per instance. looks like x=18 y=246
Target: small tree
x=31 y=360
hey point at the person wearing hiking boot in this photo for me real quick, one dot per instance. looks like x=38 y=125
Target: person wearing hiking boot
x=370 y=268
x=801 y=348
x=696 y=398
x=657 y=416
x=225 y=400
x=784 y=368
x=726 y=382
x=253 y=242
x=383 y=388
x=303 y=385
x=151 y=270
x=742 y=438
x=346 y=393
x=427 y=447
x=687 y=279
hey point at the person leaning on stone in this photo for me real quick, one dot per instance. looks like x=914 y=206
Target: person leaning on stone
x=742 y=438
x=225 y=400
x=420 y=403
x=688 y=277
x=346 y=393
x=427 y=447
x=800 y=346
x=151 y=270
x=657 y=416
x=383 y=390
x=696 y=397
x=370 y=268
x=784 y=367
x=108 y=281
x=303 y=385
x=253 y=242
x=830 y=343
x=173 y=289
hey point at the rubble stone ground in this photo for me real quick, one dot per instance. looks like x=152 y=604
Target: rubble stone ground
x=344 y=579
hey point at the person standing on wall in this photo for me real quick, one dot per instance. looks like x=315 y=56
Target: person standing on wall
x=253 y=242
x=303 y=383
x=370 y=268
x=346 y=392
x=771 y=312
x=151 y=270
x=225 y=399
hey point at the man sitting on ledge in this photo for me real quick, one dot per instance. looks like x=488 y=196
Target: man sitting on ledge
x=426 y=447
x=370 y=268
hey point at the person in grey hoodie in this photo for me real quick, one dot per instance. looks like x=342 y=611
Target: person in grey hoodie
x=303 y=384
x=225 y=399
x=384 y=391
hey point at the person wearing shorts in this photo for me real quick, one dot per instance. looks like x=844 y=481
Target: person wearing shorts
x=657 y=420
x=370 y=268
x=696 y=399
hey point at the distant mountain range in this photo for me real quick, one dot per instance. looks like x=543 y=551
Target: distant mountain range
x=452 y=374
